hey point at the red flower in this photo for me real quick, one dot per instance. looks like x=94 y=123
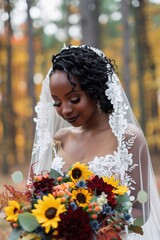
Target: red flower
x=98 y=185
x=112 y=200
x=44 y=186
x=74 y=224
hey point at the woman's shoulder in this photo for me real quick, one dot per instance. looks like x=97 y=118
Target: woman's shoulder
x=62 y=134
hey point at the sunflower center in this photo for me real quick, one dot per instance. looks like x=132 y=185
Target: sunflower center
x=50 y=212
x=81 y=198
x=76 y=173
x=15 y=210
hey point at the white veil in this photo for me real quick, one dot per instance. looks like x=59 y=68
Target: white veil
x=48 y=122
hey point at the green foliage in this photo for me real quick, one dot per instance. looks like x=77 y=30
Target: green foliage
x=123 y=202
x=17 y=177
x=28 y=221
x=54 y=174
x=136 y=229
x=142 y=196
x=15 y=234
x=138 y=221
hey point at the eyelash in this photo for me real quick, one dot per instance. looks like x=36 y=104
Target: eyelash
x=76 y=100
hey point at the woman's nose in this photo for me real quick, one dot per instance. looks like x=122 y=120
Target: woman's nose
x=66 y=109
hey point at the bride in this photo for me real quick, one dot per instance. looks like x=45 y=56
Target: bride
x=85 y=110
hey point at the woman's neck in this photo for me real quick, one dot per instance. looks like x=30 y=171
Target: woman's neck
x=98 y=122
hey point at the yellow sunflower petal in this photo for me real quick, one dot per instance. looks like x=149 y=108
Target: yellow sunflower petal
x=120 y=190
x=47 y=229
x=111 y=181
x=41 y=219
x=15 y=204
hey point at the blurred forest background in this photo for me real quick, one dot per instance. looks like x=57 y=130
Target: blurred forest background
x=32 y=31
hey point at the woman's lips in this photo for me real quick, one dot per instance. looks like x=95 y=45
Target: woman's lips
x=72 y=119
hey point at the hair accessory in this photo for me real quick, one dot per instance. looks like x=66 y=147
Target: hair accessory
x=99 y=107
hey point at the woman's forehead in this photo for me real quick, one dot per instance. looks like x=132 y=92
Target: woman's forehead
x=59 y=83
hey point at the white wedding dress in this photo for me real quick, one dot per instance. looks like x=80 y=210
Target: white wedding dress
x=130 y=162
x=107 y=166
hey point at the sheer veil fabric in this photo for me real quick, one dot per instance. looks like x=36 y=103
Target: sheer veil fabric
x=131 y=160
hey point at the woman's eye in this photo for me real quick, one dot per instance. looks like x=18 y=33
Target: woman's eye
x=75 y=100
x=57 y=104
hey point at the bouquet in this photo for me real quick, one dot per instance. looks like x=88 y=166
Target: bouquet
x=77 y=205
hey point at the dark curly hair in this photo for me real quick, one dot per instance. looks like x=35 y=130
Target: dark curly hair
x=92 y=70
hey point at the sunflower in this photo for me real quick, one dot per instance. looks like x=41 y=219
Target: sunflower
x=81 y=196
x=47 y=212
x=12 y=211
x=118 y=189
x=79 y=172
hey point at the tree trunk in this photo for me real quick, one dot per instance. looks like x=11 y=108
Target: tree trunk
x=89 y=22
x=31 y=87
x=125 y=5
x=9 y=132
x=144 y=58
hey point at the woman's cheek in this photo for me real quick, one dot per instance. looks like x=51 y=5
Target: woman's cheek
x=59 y=111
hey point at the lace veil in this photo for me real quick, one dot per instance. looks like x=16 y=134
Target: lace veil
x=132 y=151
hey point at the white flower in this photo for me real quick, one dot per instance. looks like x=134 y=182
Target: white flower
x=57 y=164
x=102 y=200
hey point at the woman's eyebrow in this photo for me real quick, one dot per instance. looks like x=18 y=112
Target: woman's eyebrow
x=72 y=91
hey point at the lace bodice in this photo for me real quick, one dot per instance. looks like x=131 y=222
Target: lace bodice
x=118 y=164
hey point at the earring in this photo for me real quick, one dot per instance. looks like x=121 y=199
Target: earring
x=99 y=107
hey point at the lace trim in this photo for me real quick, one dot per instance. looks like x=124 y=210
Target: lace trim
x=44 y=111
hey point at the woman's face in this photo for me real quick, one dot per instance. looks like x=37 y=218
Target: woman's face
x=72 y=104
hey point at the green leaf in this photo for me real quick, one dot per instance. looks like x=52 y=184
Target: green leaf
x=17 y=177
x=28 y=221
x=138 y=221
x=126 y=205
x=124 y=198
x=136 y=229
x=142 y=196
x=15 y=234
x=54 y=174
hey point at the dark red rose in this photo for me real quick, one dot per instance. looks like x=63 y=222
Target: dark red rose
x=75 y=224
x=98 y=186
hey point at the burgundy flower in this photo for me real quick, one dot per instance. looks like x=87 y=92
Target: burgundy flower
x=112 y=200
x=74 y=224
x=98 y=185
x=44 y=186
